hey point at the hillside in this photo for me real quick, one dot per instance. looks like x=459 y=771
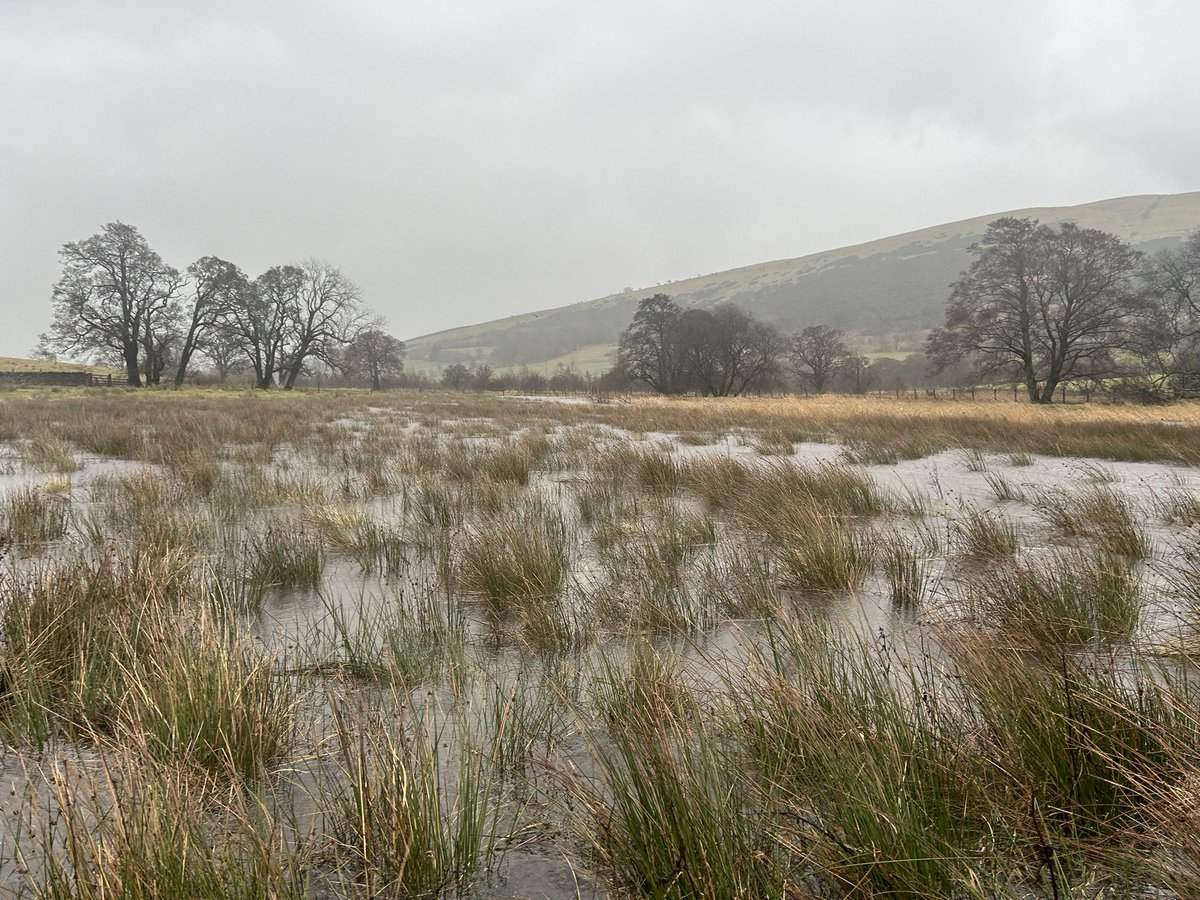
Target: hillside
x=885 y=293
x=21 y=364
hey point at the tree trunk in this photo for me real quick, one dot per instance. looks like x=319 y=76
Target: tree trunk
x=132 y=372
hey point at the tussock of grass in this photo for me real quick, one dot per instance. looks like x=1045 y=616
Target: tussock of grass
x=983 y=534
x=375 y=546
x=207 y=699
x=284 y=554
x=816 y=550
x=148 y=834
x=1064 y=599
x=907 y=573
x=405 y=818
x=670 y=813
x=517 y=558
x=1101 y=514
x=30 y=517
x=869 y=771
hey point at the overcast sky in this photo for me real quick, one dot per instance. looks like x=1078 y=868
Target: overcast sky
x=464 y=161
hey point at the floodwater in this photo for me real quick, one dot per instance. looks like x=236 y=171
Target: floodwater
x=300 y=624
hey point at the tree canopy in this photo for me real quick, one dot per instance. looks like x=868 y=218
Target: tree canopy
x=1043 y=305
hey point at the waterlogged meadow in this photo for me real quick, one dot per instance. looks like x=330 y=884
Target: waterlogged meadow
x=417 y=645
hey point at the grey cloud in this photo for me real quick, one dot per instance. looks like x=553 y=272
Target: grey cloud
x=469 y=160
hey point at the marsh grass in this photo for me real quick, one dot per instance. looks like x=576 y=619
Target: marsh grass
x=649 y=564
x=869 y=770
x=519 y=557
x=72 y=630
x=1177 y=505
x=30 y=517
x=907 y=573
x=816 y=551
x=1067 y=598
x=1004 y=490
x=380 y=640
x=1018 y=741
x=50 y=453
x=206 y=699
x=718 y=480
x=669 y=812
x=1094 y=745
x=283 y=554
x=375 y=546
x=1101 y=514
x=148 y=834
x=982 y=534
x=408 y=818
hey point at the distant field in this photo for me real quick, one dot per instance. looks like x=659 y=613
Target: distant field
x=17 y=364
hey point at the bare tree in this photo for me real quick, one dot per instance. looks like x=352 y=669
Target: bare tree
x=327 y=315
x=216 y=287
x=1168 y=345
x=107 y=302
x=374 y=354
x=259 y=319
x=1042 y=305
x=648 y=349
x=719 y=352
x=818 y=355
x=729 y=350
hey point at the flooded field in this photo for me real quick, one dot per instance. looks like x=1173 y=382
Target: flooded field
x=417 y=645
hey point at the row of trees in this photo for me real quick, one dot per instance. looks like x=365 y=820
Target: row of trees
x=725 y=351
x=118 y=302
x=1040 y=306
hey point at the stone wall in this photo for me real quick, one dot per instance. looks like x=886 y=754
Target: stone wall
x=55 y=379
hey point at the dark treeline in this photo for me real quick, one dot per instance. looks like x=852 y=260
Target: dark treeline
x=1039 y=307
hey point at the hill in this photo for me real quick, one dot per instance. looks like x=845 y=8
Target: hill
x=886 y=293
x=18 y=364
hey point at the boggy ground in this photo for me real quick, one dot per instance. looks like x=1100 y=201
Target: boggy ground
x=343 y=644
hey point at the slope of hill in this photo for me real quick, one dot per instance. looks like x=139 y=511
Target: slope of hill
x=885 y=293
x=21 y=364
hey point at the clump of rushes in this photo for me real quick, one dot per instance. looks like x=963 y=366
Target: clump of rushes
x=517 y=559
x=1099 y=513
x=72 y=631
x=386 y=642
x=671 y=812
x=375 y=546
x=284 y=554
x=146 y=832
x=656 y=472
x=741 y=581
x=907 y=573
x=49 y=453
x=1178 y=506
x=1063 y=599
x=1003 y=489
x=207 y=699
x=718 y=480
x=868 y=767
x=817 y=550
x=647 y=566
x=408 y=818
x=30 y=517
x=838 y=490
x=1094 y=745
x=984 y=535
